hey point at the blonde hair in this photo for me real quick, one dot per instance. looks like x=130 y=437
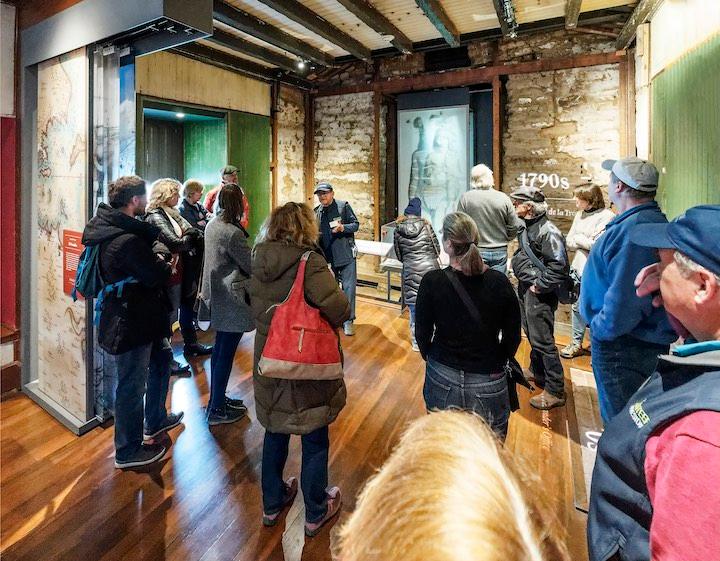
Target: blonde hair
x=192 y=186
x=481 y=177
x=450 y=492
x=462 y=233
x=291 y=224
x=161 y=191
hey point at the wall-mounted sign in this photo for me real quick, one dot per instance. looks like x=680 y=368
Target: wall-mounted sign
x=542 y=180
x=72 y=248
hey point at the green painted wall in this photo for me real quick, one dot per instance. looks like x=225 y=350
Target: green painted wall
x=205 y=151
x=249 y=150
x=686 y=129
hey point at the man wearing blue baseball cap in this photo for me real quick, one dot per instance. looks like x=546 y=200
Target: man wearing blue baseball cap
x=338 y=224
x=654 y=489
x=626 y=332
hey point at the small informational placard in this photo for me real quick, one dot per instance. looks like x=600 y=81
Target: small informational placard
x=72 y=248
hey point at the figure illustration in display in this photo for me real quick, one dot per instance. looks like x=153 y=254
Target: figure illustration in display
x=435 y=174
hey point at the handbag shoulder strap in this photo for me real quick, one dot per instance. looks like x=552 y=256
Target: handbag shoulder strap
x=298 y=287
x=525 y=244
x=464 y=296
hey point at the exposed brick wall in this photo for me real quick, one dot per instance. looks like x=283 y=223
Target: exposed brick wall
x=564 y=122
x=344 y=152
x=291 y=144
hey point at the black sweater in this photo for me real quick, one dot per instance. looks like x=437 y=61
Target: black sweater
x=446 y=332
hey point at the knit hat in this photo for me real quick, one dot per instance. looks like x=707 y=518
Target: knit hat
x=414 y=207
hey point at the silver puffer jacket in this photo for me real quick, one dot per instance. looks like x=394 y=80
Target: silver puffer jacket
x=416 y=245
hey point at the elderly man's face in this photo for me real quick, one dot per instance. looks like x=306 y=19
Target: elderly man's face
x=677 y=291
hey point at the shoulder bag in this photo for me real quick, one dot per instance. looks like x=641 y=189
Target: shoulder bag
x=513 y=370
x=301 y=344
x=569 y=291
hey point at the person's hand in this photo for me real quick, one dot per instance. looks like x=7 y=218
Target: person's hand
x=647 y=283
x=201 y=223
x=534 y=289
x=339 y=228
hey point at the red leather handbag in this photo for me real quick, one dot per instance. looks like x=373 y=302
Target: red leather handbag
x=301 y=344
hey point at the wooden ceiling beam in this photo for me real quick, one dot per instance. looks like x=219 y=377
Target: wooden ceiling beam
x=294 y=10
x=442 y=22
x=241 y=66
x=572 y=13
x=644 y=10
x=251 y=25
x=375 y=20
x=241 y=45
x=469 y=76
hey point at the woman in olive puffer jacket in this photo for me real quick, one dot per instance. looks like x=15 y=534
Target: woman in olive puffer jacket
x=416 y=245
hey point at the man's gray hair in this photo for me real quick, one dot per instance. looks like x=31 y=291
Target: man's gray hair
x=538 y=209
x=481 y=177
x=687 y=266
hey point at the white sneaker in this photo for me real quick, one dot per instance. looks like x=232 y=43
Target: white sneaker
x=349 y=328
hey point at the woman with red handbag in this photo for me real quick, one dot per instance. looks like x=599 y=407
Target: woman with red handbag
x=297 y=373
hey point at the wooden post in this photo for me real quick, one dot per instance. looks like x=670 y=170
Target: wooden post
x=497 y=131
x=376 y=164
x=626 y=106
x=274 y=94
x=309 y=147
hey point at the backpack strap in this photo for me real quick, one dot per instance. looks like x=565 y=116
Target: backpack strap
x=107 y=289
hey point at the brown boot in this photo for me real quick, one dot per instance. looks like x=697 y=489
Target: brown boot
x=546 y=400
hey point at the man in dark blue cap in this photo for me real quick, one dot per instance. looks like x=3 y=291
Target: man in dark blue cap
x=338 y=225
x=654 y=489
x=627 y=334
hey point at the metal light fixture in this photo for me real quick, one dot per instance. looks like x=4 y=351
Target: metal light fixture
x=301 y=64
x=509 y=17
x=180 y=115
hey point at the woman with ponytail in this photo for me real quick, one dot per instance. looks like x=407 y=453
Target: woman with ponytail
x=467 y=326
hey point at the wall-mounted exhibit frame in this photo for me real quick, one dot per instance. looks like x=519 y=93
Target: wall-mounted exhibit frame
x=71 y=129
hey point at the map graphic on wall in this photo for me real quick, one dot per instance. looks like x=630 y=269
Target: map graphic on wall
x=60 y=183
x=432 y=159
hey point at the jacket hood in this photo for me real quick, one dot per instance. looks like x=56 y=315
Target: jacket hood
x=411 y=227
x=109 y=223
x=272 y=260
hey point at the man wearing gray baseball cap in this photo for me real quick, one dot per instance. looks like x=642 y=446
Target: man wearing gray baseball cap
x=626 y=332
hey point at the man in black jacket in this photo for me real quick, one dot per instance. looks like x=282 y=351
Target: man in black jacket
x=134 y=324
x=537 y=290
x=338 y=225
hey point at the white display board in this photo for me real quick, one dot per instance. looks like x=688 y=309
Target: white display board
x=432 y=159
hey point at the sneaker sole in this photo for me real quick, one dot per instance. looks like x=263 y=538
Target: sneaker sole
x=225 y=421
x=140 y=463
x=164 y=429
x=316 y=531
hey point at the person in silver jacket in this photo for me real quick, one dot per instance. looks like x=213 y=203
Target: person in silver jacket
x=417 y=247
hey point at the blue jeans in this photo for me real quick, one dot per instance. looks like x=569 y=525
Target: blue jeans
x=495 y=259
x=411 y=309
x=484 y=394
x=142 y=370
x=347 y=277
x=578 y=325
x=221 y=361
x=620 y=367
x=313 y=477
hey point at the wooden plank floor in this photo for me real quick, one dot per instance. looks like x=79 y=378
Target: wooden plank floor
x=62 y=499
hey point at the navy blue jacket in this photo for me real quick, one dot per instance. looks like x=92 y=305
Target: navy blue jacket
x=620 y=508
x=607 y=297
x=341 y=250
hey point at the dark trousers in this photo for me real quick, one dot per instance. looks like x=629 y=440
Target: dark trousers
x=313 y=478
x=185 y=317
x=221 y=361
x=538 y=321
x=620 y=367
x=347 y=277
x=142 y=370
